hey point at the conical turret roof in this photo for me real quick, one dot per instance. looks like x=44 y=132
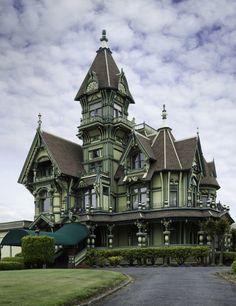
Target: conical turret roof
x=105 y=71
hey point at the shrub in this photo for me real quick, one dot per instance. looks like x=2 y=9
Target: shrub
x=199 y=253
x=8 y=265
x=233 y=266
x=13 y=259
x=115 y=260
x=38 y=250
x=91 y=257
x=229 y=257
x=180 y=254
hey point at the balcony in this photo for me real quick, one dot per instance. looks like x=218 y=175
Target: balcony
x=91 y=120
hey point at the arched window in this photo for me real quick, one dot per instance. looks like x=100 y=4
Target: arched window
x=44 y=201
x=137 y=160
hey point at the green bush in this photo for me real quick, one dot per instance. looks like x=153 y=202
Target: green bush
x=199 y=253
x=13 y=259
x=8 y=265
x=38 y=250
x=115 y=260
x=180 y=254
x=233 y=266
x=142 y=256
x=229 y=257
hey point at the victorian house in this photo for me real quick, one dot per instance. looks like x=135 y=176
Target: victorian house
x=126 y=184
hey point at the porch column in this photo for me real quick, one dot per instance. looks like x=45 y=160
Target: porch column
x=110 y=235
x=141 y=233
x=166 y=232
x=200 y=235
x=91 y=237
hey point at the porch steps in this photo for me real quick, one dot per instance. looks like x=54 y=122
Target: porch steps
x=75 y=260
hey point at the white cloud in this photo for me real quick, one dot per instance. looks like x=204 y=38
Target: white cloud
x=178 y=54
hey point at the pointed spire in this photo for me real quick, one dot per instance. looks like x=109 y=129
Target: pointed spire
x=39 y=121
x=164 y=116
x=197 y=132
x=104 y=40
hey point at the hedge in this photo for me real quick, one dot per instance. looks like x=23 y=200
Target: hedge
x=13 y=259
x=143 y=255
x=38 y=250
x=8 y=265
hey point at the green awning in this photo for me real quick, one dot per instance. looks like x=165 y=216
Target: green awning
x=68 y=234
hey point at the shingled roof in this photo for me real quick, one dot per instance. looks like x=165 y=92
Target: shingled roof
x=106 y=71
x=165 y=151
x=210 y=178
x=168 y=154
x=67 y=155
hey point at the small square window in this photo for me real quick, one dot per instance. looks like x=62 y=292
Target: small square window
x=94 y=153
x=105 y=191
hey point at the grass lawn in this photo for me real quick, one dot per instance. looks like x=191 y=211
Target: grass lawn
x=54 y=286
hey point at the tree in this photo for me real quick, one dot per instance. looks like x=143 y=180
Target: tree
x=38 y=250
x=210 y=228
x=217 y=229
x=233 y=233
x=222 y=227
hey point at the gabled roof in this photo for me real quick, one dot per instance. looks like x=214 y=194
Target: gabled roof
x=168 y=154
x=145 y=143
x=106 y=71
x=165 y=151
x=67 y=155
x=210 y=178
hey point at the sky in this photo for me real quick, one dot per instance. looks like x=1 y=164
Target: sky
x=178 y=53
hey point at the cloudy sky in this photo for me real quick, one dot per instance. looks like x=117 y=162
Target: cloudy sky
x=178 y=53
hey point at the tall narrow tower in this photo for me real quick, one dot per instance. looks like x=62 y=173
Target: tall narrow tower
x=104 y=128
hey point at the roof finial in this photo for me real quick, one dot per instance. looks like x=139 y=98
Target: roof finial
x=164 y=116
x=164 y=113
x=39 y=121
x=104 y=40
x=197 y=132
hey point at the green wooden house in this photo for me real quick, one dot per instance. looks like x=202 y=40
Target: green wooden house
x=130 y=185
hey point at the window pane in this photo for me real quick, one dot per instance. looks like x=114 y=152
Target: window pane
x=46 y=204
x=143 y=198
x=173 y=198
x=95 y=106
x=94 y=200
x=135 y=201
x=204 y=200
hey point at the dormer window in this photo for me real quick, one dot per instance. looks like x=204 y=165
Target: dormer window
x=96 y=109
x=44 y=169
x=137 y=160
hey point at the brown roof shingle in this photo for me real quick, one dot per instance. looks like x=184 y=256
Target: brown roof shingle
x=106 y=71
x=67 y=155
